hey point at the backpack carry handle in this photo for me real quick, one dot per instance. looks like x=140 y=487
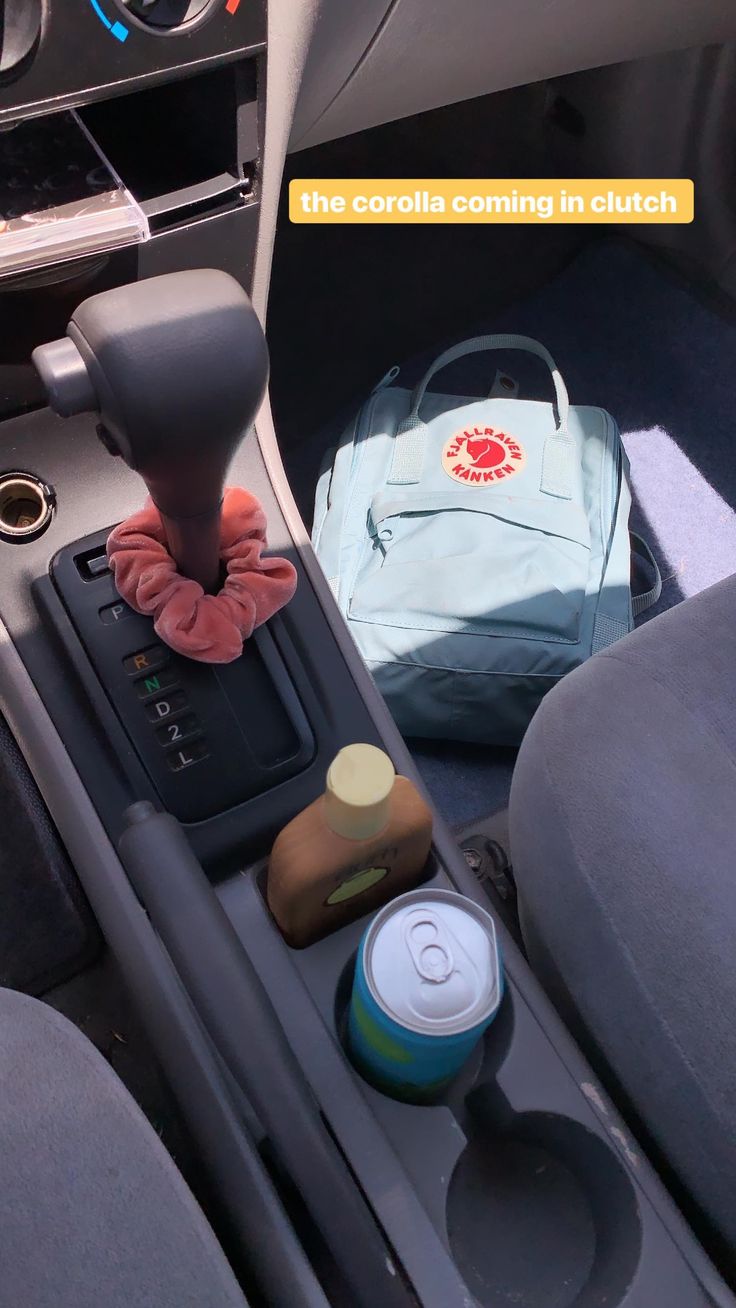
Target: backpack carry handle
x=478 y=345
x=408 y=454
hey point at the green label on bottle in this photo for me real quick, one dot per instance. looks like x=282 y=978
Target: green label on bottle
x=357 y=883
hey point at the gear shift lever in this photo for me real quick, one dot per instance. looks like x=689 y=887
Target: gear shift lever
x=176 y=366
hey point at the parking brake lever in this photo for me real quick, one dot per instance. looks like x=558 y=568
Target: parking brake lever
x=238 y=1015
x=176 y=366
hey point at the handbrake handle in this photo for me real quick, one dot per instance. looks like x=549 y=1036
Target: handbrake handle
x=237 y=1013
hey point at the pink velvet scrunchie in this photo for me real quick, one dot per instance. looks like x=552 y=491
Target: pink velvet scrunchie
x=210 y=628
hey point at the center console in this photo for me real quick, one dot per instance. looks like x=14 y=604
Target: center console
x=168 y=781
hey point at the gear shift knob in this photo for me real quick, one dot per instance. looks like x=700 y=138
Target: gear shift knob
x=176 y=366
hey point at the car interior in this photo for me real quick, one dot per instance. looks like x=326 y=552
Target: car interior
x=180 y=1117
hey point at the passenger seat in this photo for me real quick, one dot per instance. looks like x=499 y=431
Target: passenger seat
x=623 y=842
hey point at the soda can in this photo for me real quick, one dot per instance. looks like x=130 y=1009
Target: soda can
x=428 y=981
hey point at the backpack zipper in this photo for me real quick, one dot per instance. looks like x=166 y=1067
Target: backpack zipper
x=386 y=380
x=362 y=427
x=360 y=431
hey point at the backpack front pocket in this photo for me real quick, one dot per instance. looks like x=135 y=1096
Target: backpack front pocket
x=475 y=562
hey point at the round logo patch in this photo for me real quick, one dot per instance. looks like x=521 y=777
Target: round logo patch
x=482 y=456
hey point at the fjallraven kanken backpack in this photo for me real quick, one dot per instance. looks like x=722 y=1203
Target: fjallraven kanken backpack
x=478 y=548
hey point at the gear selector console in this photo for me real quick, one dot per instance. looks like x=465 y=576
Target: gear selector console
x=209 y=737
x=175 y=367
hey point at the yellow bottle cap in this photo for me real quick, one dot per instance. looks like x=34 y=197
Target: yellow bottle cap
x=359 y=784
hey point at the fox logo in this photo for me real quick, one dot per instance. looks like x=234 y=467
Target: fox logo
x=482 y=456
x=485 y=452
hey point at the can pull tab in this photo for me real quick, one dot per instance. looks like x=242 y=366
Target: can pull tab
x=428 y=942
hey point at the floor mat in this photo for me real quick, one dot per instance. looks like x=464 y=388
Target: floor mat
x=47 y=932
x=629 y=336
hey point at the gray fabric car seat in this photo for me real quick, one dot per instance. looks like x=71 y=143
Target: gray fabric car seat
x=92 y=1209
x=623 y=841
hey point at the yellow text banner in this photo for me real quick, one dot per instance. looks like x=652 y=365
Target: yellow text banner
x=496 y=200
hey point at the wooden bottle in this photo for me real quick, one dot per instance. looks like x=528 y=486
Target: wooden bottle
x=360 y=844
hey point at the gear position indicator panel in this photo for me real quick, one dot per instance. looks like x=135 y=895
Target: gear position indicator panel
x=210 y=737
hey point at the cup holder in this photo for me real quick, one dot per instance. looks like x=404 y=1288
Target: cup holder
x=540 y=1212
x=524 y=1188
x=483 y=1063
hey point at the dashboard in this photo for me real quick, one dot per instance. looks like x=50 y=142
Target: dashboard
x=371 y=61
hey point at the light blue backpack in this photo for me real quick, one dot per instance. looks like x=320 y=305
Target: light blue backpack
x=478 y=549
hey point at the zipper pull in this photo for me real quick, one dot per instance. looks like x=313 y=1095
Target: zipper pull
x=391 y=375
